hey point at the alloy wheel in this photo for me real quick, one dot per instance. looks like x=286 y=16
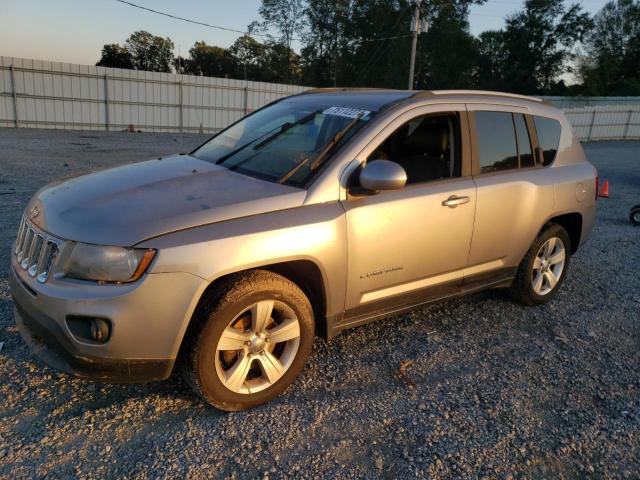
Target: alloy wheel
x=548 y=266
x=257 y=347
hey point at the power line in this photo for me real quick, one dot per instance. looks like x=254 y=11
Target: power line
x=364 y=40
x=245 y=32
x=228 y=29
x=382 y=47
x=188 y=20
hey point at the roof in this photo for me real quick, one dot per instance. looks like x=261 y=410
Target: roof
x=373 y=99
x=378 y=97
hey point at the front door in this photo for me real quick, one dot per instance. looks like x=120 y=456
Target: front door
x=406 y=244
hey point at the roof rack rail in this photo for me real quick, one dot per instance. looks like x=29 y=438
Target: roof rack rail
x=485 y=92
x=340 y=89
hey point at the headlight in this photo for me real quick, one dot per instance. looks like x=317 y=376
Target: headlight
x=107 y=264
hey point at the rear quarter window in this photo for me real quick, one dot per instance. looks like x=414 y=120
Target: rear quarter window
x=548 y=131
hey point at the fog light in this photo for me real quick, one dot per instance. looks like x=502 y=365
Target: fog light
x=90 y=329
x=99 y=330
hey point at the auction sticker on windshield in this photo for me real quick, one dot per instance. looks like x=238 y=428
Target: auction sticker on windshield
x=346 y=112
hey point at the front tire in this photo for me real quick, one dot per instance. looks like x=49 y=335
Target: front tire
x=543 y=268
x=251 y=340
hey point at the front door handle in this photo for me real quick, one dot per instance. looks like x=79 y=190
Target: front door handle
x=453 y=201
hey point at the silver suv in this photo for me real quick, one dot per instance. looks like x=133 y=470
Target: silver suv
x=320 y=212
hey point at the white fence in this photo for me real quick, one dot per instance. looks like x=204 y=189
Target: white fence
x=42 y=94
x=602 y=118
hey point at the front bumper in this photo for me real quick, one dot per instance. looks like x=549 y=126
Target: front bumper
x=148 y=321
x=48 y=342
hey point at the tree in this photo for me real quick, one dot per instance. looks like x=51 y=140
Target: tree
x=366 y=43
x=325 y=41
x=286 y=16
x=447 y=54
x=210 y=61
x=280 y=64
x=149 y=52
x=492 y=60
x=611 y=64
x=371 y=47
x=537 y=45
x=181 y=64
x=116 y=56
x=249 y=57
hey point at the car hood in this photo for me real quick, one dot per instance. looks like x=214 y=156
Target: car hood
x=126 y=205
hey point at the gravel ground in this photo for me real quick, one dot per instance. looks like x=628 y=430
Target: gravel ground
x=476 y=387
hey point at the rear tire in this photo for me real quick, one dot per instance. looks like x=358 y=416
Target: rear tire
x=634 y=215
x=543 y=268
x=251 y=339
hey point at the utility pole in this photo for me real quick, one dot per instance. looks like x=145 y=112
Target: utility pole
x=417 y=26
x=415 y=22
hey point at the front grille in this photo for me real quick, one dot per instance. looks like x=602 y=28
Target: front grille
x=35 y=251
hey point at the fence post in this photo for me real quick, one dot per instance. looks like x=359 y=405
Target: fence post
x=106 y=102
x=246 y=100
x=626 y=128
x=181 y=104
x=593 y=120
x=15 y=95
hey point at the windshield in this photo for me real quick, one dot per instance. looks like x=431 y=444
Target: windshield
x=285 y=142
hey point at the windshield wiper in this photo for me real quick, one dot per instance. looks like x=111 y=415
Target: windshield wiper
x=322 y=154
x=287 y=126
x=293 y=171
x=233 y=152
x=336 y=138
x=278 y=131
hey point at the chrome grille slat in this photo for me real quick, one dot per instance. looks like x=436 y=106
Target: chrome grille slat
x=20 y=242
x=41 y=258
x=49 y=256
x=36 y=251
x=20 y=236
x=26 y=248
x=32 y=247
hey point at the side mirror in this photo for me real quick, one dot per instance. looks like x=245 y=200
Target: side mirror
x=382 y=175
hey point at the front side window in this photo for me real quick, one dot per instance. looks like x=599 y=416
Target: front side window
x=548 y=131
x=286 y=142
x=428 y=148
x=497 y=149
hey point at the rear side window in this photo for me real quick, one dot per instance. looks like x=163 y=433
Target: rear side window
x=548 y=131
x=497 y=147
x=524 y=142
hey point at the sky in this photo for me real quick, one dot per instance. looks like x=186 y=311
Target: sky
x=74 y=31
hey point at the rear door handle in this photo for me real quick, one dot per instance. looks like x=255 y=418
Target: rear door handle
x=453 y=201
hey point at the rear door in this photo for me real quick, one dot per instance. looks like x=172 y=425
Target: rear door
x=514 y=192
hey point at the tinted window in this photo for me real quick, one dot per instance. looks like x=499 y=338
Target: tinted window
x=496 y=141
x=524 y=143
x=548 y=131
x=426 y=147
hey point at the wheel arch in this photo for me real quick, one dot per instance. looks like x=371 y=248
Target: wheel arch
x=303 y=273
x=572 y=223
